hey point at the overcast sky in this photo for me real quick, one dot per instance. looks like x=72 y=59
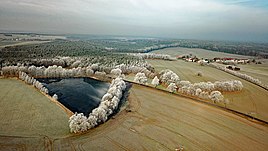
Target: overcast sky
x=196 y=19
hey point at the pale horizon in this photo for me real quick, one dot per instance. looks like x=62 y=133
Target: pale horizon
x=237 y=20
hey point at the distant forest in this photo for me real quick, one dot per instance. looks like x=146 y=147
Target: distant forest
x=96 y=47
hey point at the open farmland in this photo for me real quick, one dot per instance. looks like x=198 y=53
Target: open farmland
x=200 y=53
x=160 y=122
x=251 y=100
x=27 y=112
x=163 y=121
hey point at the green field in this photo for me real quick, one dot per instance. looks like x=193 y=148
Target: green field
x=27 y=112
x=251 y=100
x=200 y=53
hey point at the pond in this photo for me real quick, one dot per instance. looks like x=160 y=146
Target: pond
x=80 y=95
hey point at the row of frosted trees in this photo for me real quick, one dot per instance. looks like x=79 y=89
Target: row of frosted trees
x=240 y=75
x=152 y=56
x=32 y=81
x=60 y=72
x=204 y=90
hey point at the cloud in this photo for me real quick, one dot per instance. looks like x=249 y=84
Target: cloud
x=170 y=18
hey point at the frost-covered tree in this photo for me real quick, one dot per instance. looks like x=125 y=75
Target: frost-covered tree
x=152 y=56
x=155 y=81
x=204 y=86
x=116 y=72
x=78 y=123
x=183 y=83
x=140 y=78
x=118 y=83
x=55 y=96
x=204 y=95
x=94 y=67
x=198 y=91
x=100 y=114
x=76 y=64
x=216 y=96
x=89 y=71
x=168 y=76
x=108 y=95
x=100 y=74
x=172 y=87
x=92 y=120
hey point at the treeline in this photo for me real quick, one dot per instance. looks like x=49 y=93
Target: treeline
x=85 y=71
x=53 y=49
x=241 y=48
x=134 y=45
x=203 y=90
x=152 y=56
x=103 y=61
x=108 y=47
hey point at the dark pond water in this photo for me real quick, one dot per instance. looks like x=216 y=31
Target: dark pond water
x=80 y=95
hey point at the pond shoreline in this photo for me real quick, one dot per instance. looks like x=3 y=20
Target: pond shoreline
x=80 y=94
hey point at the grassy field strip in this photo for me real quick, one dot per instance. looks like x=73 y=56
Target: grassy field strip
x=27 y=112
x=251 y=100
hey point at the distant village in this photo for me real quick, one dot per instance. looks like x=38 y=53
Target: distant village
x=230 y=62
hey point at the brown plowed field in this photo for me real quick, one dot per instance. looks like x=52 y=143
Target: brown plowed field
x=157 y=121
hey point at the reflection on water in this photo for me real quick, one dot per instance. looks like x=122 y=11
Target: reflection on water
x=80 y=95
